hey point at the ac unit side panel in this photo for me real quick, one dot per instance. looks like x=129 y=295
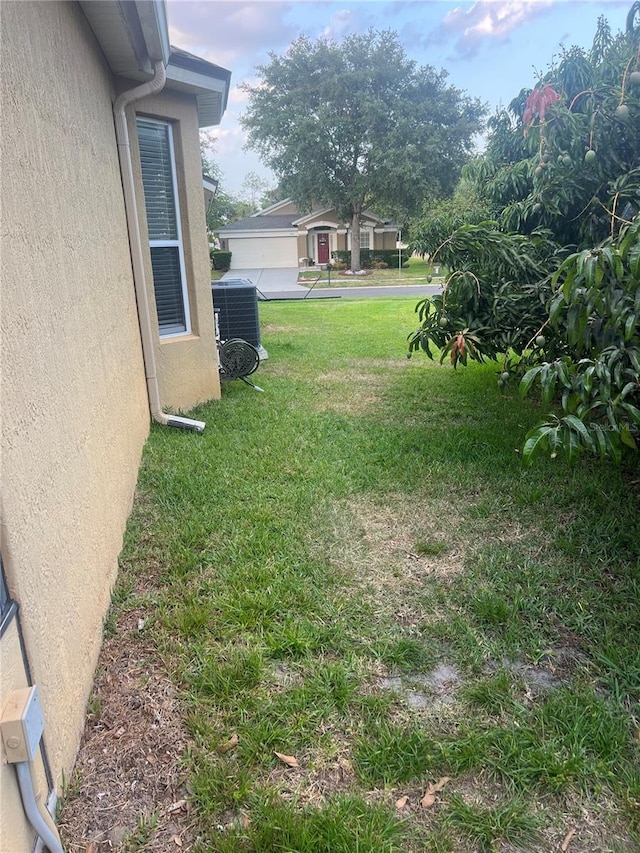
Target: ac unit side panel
x=237 y=308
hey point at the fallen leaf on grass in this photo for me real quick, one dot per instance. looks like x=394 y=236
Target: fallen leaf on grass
x=289 y=760
x=177 y=806
x=567 y=840
x=177 y=840
x=402 y=802
x=225 y=747
x=430 y=795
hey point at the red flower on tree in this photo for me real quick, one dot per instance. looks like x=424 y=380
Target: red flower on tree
x=538 y=103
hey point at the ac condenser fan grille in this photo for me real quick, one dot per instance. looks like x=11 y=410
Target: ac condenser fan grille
x=238 y=358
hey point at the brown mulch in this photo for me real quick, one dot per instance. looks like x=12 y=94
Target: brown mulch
x=128 y=784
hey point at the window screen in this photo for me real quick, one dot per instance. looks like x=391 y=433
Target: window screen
x=163 y=221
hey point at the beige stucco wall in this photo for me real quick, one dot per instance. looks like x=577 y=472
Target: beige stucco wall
x=187 y=364
x=387 y=240
x=74 y=407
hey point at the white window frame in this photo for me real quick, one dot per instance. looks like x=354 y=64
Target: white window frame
x=368 y=232
x=172 y=333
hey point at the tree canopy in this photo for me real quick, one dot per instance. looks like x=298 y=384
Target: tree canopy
x=549 y=282
x=357 y=125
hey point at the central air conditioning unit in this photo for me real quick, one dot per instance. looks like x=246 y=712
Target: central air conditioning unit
x=235 y=301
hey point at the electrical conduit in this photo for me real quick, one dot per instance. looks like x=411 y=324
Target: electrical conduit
x=135 y=242
x=45 y=828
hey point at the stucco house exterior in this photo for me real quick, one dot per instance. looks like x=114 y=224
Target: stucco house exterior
x=107 y=323
x=280 y=236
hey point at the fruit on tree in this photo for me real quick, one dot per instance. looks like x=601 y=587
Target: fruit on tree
x=566 y=160
x=504 y=376
x=622 y=112
x=541 y=340
x=590 y=156
x=443 y=321
x=634 y=78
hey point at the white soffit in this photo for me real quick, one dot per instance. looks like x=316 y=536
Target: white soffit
x=210 y=93
x=132 y=33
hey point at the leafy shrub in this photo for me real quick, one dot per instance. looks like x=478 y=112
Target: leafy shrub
x=549 y=284
x=388 y=257
x=220 y=260
x=596 y=308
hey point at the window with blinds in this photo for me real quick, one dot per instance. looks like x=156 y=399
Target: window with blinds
x=155 y=140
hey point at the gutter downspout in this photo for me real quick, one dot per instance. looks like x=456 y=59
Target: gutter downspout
x=135 y=244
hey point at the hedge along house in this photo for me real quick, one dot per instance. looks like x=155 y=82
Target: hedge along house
x=106 y=322
x=280 y=236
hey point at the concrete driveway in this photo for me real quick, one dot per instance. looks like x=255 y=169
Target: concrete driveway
x=282 y=280
x=282 y=283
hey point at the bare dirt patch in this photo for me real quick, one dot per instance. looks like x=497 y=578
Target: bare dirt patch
x=128 y=777
x=380 y=545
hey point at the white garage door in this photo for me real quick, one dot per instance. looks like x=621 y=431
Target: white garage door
x=263 y=252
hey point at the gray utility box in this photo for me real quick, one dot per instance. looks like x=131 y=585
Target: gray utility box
x=236 y=303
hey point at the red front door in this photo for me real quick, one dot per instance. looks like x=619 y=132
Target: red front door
x=323 y=248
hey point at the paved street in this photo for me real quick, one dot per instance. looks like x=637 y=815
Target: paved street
x=282 y=283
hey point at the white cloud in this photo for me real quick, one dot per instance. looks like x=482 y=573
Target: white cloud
x=339 y=23
x=230 y=32
x=489 y=20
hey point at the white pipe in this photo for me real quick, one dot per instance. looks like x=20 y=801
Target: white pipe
x=135 y=243
x=45 y=830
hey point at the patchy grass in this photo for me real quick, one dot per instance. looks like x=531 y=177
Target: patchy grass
x=354 y=570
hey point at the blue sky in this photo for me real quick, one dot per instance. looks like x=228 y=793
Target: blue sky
x=490 y=48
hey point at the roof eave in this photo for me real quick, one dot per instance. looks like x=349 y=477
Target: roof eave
x=133 y=34
x=210 y=89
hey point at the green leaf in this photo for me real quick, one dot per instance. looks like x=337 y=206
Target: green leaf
x=627 y=438
x=528 y=379
x=629 y=327
x=614 y=448
x=633 y=412
x=571 y=444
x=537 y=441
x=576 y=425
x=548 y=380
x=600 y=441
x=634 y=261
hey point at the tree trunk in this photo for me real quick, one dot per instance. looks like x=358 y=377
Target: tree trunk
x=355 y=242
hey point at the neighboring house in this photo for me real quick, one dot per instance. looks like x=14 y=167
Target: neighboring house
x=280 y=236
x=106 y=320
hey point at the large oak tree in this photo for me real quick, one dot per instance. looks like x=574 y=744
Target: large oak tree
x=357 y=125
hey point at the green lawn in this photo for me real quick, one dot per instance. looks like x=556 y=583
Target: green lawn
x=354 y=569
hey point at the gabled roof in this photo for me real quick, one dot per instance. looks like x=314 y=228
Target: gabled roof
x=260 y=223
x=267 y=210
x=264 y=220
